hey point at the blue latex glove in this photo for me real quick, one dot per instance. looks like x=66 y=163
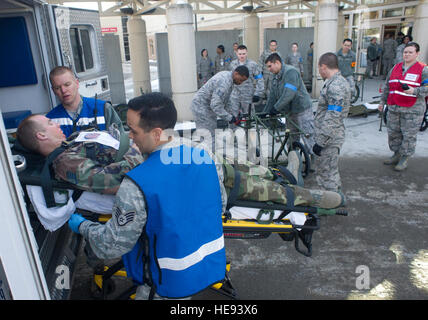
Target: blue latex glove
x=75 y=221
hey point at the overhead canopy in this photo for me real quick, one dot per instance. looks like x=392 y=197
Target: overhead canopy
x=157 y=7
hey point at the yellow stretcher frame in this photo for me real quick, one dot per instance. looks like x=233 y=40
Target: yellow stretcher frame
x=232 y=229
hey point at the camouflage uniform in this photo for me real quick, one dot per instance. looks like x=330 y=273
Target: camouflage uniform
x=267 y=75
x=399 y=53
x=119 y=235
x=333 y=108
x=289 y=95
x=389 y=51
x=92 y=166
x=242 y=96
x=257 y=183
x=347 y=67
x=296 y=61
x=222 y=62
x=205 y=70
x=403 y=123
x=210 y=101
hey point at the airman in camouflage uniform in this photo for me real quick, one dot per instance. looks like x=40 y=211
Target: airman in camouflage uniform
x=252 y=90
x=210 y=101
x=289 y=95
x=93 y=166
x=295 y=59
x=403 y=123
x=222 y=60
x=130 y=213
x=88 y=165
x=347 y=61
x=267 y=75
x=333 y=108
x=205 y=68
x=389 y=51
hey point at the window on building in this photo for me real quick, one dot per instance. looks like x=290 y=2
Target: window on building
x=392 y=13
x=409 y=11
x=82 y=47
x=125 y=38
x=370 y=15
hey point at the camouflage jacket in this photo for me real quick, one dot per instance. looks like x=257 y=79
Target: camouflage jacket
x=205 y=67
x=346 y=63
x=333 y=108
x=295 y=60
x=254 y=85
x=92 y=166
x=222 y=62
x=212 y=98
x=119 y=235
x=389 y=48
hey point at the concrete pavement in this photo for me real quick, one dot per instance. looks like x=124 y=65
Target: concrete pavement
x=384 y=238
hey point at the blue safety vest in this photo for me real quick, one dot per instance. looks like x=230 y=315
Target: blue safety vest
x=183 y=235
x=85 y=119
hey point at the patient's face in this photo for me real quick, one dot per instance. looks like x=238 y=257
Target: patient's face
x=51 y=129
x=144 y=140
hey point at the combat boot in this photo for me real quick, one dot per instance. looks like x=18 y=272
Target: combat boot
x=402 y=164
x=320 y=198
x=393 y=160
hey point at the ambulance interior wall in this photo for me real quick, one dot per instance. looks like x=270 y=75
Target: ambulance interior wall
x=204 y=40
x=32 y=96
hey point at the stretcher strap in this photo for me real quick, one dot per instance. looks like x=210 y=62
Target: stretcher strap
x=234 y=192
x=46 y=179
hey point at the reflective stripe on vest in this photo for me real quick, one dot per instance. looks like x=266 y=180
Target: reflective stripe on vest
x=86 y=116
x=412 y=77
x=193 y=258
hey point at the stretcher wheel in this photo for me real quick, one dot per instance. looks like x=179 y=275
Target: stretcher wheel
x=108 y=287
x=305 y=157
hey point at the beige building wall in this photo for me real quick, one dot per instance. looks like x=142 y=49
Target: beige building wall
x=154 y=24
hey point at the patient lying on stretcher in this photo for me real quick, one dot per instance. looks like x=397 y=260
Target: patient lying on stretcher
x=89 y=162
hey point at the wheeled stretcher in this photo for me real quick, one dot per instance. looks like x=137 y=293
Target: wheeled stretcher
x=242 y=219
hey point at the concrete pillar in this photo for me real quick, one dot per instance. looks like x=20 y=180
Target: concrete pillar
x=139 y=55
x=252 y=36
x=340 y=29
x=326 y=19
x=420 y=28
x=182 y=57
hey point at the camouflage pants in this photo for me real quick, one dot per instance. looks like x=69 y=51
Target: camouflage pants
x=305 y=121
x=388 y=63
x=403 y=129
x=351 y=82
x=256 y=184
x=327 y=169
x=267 y=78
x=240 y=100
